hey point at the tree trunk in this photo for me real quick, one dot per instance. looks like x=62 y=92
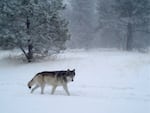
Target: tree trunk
x=30 y=52
x=24 y=52
x=30 y=45
x=129 y=41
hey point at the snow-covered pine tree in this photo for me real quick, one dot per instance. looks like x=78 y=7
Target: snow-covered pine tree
x=34 y=26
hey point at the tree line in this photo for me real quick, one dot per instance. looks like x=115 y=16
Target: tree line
x=124 y=24
x=44 y=26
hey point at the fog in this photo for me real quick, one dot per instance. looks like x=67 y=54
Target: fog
x=105 y=24
x=50 y=26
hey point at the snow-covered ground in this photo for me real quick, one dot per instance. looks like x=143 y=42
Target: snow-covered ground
x=105 y=82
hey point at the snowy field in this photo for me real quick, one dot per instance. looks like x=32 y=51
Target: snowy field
x=105 y=82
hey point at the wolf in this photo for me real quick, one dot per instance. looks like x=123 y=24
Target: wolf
x=53 y=78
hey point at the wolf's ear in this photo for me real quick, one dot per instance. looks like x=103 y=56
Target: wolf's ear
x=68 y=70
x=73 y=70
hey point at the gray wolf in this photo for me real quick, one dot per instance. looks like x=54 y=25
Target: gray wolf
x=53 y=78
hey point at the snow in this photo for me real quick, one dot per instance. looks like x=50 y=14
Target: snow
x=105 y=82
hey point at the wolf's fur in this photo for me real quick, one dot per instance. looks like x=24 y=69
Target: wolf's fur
x=54 y=78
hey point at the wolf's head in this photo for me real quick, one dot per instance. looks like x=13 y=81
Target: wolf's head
x=70 y=75
x=30 y=83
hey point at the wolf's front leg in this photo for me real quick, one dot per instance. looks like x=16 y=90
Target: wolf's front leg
x=66 y=89
x=53 y=89
x=34 y=88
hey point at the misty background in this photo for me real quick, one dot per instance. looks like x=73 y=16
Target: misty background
x=122 y=24
x=49 y=26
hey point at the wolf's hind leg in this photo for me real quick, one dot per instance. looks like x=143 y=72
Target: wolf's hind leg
x=53 y=89
x=34 y=88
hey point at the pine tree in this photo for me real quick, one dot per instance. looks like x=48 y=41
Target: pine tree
x=82 y=22
x=135 y=14
x=34 y=26
x=128 y=15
